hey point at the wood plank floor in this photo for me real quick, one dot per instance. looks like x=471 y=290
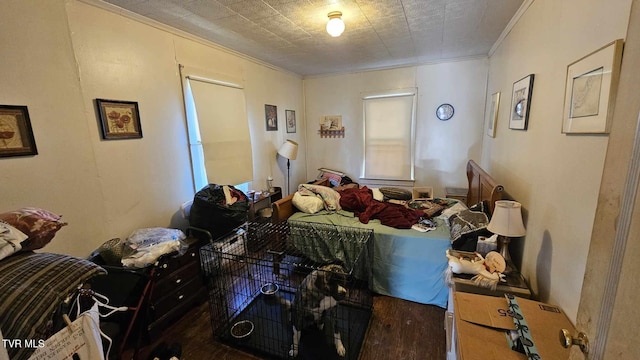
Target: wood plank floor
x=399 y=329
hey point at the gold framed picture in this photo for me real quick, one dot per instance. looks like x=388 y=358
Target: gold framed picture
x=16 y=134
x=119 y=119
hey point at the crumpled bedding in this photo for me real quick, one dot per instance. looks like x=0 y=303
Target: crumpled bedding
x=330 y=197
x=365 y=207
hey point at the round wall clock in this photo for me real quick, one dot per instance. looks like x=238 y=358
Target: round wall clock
x=444 y=112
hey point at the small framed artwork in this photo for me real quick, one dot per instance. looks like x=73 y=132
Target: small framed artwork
x=16 y=134
x=290 y=115
x=331 y=122
x=493 y=114
x=119 y=119
x=591 y=91
x=422 y=193
x=271 y=117
x=521 y=103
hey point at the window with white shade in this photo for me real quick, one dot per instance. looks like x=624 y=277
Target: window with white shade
x=218 y=127
x=389 y=124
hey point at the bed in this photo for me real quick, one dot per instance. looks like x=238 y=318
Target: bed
x=402 y=263
x=35 y=286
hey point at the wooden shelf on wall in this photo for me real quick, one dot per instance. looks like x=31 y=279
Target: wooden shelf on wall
x=331 y=133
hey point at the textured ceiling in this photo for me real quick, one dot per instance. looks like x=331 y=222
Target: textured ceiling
x=379 y=33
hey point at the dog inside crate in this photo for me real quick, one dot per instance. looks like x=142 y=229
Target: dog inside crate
x=270 y=298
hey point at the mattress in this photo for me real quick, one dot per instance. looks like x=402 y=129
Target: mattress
x=403 y=263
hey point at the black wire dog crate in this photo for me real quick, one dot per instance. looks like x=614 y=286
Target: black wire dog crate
x=254 y=274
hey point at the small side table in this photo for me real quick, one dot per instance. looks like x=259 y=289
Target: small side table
x=456 y=193
x=264 y=202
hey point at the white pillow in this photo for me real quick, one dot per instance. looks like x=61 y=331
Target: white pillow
x=377 y=194
x=10 y=239
x=309 y=204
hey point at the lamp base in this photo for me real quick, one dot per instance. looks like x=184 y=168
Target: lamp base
x=503 y=246
x=288 y=177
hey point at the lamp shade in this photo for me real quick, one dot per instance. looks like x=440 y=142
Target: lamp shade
x=289 y=150
x=507 y=219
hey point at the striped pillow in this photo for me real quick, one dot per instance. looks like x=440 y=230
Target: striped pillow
x=396 y=193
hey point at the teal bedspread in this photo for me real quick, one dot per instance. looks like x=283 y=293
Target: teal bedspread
x=403 y=263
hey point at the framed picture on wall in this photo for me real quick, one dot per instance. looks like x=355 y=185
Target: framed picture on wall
x=521 y=103
x=16 y=135
x=290 y=116
x=493 y=114
x=119 y=119
x=331 y=122
x=271 y=117
x=591 y=90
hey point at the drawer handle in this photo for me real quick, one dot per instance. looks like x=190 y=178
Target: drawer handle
x=193 y=254
x=178 y=281
x=180 y=297
x=164 y=266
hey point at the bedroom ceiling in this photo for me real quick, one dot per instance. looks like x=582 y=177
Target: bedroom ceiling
x=379 y=33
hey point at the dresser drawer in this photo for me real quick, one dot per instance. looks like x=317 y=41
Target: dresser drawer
x=176 y=279
x=168 y=265
x=173 y=299
x=160 y=323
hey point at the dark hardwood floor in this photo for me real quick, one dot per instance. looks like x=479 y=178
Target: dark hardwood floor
x=398 y=329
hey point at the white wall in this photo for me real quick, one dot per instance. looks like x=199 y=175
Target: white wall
x=70 y=54
x=555 y=176
x=442 y=147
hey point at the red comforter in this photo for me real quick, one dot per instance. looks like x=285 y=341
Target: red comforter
x=365 y=207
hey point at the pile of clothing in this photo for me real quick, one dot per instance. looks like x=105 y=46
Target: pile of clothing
x=143 y=247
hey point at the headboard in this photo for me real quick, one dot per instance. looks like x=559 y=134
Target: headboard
x=482 y=186
x=284 y=208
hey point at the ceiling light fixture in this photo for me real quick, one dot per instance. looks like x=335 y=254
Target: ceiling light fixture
x=335 y=26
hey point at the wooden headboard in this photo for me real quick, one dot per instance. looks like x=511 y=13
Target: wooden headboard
x=284 y=208
x=482 y=186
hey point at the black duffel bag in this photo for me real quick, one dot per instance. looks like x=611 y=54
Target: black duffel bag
x=211 y=212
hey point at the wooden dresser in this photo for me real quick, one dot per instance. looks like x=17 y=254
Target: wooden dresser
x=176 y=287
x=156 y=295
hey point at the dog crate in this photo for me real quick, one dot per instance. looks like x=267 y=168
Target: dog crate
x=253 y=277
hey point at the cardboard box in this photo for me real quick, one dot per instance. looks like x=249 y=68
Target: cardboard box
x=481 y=324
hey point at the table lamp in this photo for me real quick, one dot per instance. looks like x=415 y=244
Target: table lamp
x=506 y=222
x=288 y=150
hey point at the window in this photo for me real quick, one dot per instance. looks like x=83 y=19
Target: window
x=218 y=128
x=389 y=123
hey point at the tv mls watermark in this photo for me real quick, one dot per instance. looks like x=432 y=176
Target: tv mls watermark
x=23 y=343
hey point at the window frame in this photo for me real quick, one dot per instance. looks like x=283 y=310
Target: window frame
x=196 y=150
x=397 y=93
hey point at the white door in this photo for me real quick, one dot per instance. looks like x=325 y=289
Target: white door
x=609 y=311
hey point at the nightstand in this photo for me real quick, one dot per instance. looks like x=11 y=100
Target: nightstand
x=456 y=193
x=264 y=202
